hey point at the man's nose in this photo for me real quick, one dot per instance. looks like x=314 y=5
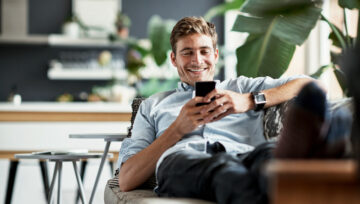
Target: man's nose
x=197 y=58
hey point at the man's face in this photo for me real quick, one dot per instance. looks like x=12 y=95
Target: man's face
x=195 y=58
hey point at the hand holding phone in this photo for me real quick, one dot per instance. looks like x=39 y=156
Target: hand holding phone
x=202 y=88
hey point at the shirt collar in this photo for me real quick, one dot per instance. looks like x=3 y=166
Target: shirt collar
x=182 y=86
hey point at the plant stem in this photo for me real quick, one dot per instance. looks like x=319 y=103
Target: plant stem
x=346 y=29
x=336 y=31
x=358 y=28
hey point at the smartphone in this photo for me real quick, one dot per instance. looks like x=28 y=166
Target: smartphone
x=202 y=88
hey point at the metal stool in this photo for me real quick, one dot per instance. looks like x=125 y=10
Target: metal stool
x=59 y=159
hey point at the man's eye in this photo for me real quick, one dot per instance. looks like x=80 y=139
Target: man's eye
x=186 y=53
x=204 y=52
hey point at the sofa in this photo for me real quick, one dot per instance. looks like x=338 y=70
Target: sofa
x=273 y=120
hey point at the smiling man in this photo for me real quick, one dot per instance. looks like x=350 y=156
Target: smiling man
x=214 y=151
x=195 y=57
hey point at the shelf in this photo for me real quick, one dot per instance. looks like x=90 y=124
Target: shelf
x=29 y=40
x=59 y=40
x=85 y=74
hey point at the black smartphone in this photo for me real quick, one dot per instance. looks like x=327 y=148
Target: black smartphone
x=202 y=88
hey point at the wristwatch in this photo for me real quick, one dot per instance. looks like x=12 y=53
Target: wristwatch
x=259 y=100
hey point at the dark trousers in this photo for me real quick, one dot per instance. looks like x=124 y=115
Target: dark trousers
x=216 y=176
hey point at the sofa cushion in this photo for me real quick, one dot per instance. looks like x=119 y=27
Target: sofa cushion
x=135 y=107
x=148 y=184
x=273 y=120
x=115 y=196
x=139 y=196
x=274 y=116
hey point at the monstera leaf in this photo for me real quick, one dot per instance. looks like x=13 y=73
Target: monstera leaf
x=264 y=55
x=350 y=4
x=159 y=34
x=275 y=28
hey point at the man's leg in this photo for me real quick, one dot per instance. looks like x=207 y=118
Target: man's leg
x=220 y=177
x=185 y=174
x=310 y=130
x=244 y=182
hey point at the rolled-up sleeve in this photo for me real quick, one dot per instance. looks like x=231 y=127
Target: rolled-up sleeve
x=143 y=134
x=247 y=85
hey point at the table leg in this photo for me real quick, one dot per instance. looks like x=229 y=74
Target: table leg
x=53 y=182
x=45 y=177
x=106 y=150
x=83 y=165
x=11 y=181
x=59 y=183
x=78 y=179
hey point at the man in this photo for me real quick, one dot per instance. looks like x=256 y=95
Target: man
x=204 y=151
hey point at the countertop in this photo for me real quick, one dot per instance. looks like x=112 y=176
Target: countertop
x=104 y=107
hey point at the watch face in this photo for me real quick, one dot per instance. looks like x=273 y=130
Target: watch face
x=259 y=98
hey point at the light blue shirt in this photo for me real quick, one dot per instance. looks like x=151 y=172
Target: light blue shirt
x=239 y=133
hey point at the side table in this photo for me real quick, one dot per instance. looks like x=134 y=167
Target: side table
x=108 y=138
x=59 y=159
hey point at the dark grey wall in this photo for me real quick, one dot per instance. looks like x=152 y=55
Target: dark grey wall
x=140 y=12
x=48 y=16
x=26 y=65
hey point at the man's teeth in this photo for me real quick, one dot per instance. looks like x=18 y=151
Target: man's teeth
x=196 y=70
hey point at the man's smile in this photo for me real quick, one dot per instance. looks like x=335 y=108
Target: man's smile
x=196 y=69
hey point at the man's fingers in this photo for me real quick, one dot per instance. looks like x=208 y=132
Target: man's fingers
x=194 y=101
x=220 y=111
x=213 y=105
x=213 y=94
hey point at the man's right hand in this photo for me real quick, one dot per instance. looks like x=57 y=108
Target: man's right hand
x=189 y=117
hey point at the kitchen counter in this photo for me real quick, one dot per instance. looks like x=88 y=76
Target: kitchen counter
x=70 y=111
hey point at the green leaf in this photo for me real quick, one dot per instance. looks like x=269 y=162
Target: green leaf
x=293 y=28
x=251 y=24
x=340 y=76
x=320 y=71
x=276 y=7
x=159 y=35
x=334 y=38
x=350 y=4
x=223 y=8
x=338 y=34
x=264 y=56
x=335 y=57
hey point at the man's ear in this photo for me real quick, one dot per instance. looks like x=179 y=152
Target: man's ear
x=173 y=59
x=216 y=53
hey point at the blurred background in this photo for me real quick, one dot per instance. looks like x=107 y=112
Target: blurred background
x=87 y=50
x=91 y=50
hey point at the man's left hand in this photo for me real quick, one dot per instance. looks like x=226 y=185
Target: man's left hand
x=226 y=102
